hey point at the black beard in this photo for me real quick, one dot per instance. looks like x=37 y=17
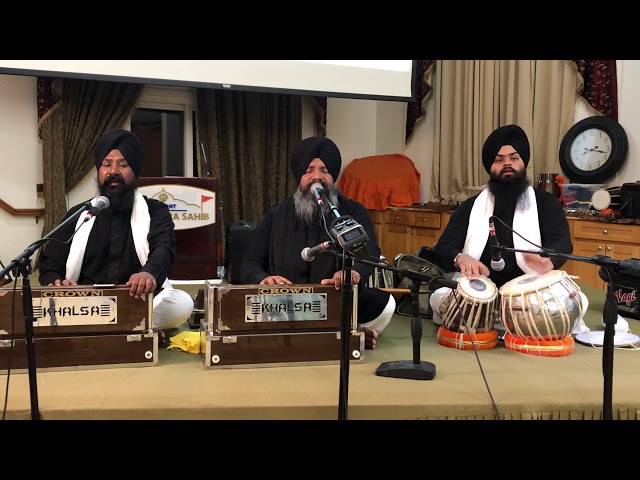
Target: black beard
x=507 y=191
x=121 y=195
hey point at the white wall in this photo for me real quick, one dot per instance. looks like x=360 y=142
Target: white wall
x=359 y=127
x=20 y=164
x=629 y=117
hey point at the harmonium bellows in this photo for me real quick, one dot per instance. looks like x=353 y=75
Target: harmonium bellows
x=78 y=327
x=277 y=325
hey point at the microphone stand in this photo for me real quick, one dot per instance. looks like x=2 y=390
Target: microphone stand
x=609 y=313
x=414 y=369
x=22 y=264
x=345 y=337
x=345 y=315
x=346 y=319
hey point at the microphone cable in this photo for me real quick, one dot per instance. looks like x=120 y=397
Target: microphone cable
x=526 y=240
x=475 y=351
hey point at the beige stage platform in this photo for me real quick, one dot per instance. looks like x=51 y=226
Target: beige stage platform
x=179 y=387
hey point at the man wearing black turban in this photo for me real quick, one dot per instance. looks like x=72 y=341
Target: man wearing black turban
x=131 y=242
x=274 y=254
x=515 y=207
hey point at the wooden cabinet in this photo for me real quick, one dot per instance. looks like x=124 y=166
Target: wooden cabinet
x=405 y=230
x=591 y=238
x=376 y=218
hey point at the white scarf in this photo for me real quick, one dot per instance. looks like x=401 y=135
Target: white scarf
x=478 y=229
x=140 y=225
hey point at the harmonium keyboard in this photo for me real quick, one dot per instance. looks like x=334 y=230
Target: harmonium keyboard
x=78 y=327
x=277 y=325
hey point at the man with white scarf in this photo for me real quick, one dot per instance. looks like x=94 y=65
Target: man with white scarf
x=131 y=243
x=534 y=215
x=274 y=253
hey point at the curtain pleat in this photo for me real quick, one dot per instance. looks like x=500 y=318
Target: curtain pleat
x=247 y=137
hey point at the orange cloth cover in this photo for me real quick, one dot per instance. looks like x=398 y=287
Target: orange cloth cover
x=381 y=181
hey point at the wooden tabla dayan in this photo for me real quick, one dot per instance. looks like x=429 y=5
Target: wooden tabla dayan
x=468 y=314
x=539 y=312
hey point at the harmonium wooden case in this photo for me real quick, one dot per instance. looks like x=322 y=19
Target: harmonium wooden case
x=276 y=325
x=78 y=327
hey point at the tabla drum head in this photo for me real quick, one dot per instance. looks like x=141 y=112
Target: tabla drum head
x=478 y=287
x=532 y=282
x=601 y=199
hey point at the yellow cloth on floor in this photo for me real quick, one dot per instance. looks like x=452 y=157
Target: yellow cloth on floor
x=191 y=342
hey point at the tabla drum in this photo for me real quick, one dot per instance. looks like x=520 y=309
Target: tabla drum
x=468 y=314
x=605 y=198
x=539 y=312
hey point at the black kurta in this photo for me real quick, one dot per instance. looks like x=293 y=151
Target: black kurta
x=554 y=233
x=278 y=241
x=110 y=256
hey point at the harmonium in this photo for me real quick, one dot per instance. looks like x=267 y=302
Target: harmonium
x=277 y=325
x=77 y=327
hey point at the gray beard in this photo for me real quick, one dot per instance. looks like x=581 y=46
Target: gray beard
x=307 y=210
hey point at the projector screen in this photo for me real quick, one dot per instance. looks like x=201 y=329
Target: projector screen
x=371 y=79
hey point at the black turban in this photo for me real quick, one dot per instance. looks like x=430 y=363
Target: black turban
x=126 y=142
x=315 y=147
x=508 y=135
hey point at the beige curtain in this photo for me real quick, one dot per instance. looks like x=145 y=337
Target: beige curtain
x=473 y=97
x=247 y=137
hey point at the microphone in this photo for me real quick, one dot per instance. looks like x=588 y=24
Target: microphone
x=497 y=262
x=317 y=190
x=308 y=254
x=97 y=204
x=320 y=194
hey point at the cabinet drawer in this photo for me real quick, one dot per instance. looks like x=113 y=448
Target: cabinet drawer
x=424 y=219
x=424 y=237
x=400 y=217
x=609 y=232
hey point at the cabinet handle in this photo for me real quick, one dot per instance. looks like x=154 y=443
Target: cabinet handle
x=397 y=217
x=605 y=231
x=599 y=247
x=424 y=220
x=608 y=249
x=407 y=230
x=412 y=232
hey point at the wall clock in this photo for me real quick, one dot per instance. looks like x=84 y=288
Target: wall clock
x=593 y=150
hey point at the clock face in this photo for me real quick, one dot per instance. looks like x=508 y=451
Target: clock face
x=591 y=149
